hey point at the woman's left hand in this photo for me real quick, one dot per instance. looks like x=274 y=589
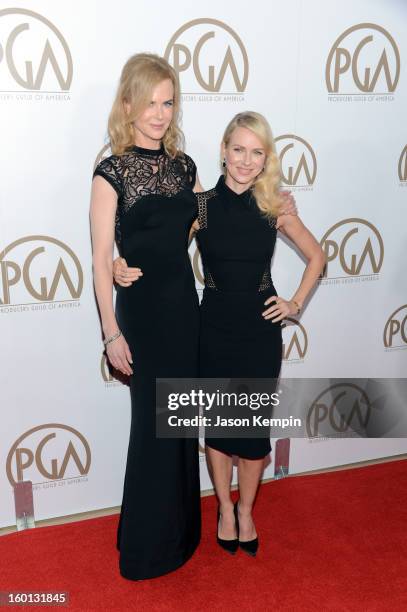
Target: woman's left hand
x=280 y=309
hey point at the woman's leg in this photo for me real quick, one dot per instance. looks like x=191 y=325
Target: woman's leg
x=221 y=466
x=249 y=473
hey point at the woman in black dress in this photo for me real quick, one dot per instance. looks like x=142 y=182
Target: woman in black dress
x=237 y=240
x=142 y=196
x=240 y=335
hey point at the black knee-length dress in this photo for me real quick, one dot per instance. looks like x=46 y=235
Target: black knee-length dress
x=236 y=243
x=159 y=526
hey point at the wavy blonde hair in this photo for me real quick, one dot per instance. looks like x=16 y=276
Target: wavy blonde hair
x=140 y=75
x=266 y=184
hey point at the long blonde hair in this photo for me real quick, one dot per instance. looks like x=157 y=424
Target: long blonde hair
x=141 y=73
x=267 y=183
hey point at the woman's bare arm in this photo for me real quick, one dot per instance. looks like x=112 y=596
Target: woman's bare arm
x=102 y=215
x=195 y=226
x=102 y=218
x=293 y=227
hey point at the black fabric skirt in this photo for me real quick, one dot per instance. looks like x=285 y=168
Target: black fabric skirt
x=237 y=342
x=160 y=520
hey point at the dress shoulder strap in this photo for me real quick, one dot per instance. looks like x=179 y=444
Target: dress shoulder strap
x=203 y=198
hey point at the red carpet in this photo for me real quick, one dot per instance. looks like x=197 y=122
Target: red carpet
x=334 y=541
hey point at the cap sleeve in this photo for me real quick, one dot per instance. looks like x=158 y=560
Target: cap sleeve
x=191 y=171
x=107 y=168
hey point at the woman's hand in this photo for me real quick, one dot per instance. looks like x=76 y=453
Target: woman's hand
x=123 y=275
x=280 y=310
x=288 y=205
x=119 y=355
x=194 y=229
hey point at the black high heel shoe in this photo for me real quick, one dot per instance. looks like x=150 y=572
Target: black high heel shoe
x=230 y=546
x=249 y=547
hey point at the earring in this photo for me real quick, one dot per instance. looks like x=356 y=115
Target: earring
x=224 y=163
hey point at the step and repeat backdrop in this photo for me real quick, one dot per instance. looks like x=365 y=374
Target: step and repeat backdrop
x=331 y=79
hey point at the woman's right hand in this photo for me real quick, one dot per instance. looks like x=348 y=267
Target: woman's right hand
x=123 y=275
x=119 y=355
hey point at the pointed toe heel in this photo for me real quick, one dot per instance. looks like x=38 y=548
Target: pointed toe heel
x=229 y=546
x=249 y=547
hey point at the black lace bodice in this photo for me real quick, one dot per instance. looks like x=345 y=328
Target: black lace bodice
x=145 y=172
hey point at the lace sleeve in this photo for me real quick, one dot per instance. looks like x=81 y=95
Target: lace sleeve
x=107 y=168
x=191 y=170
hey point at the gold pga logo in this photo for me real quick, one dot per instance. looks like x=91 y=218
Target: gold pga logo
x=105 y=370
x=208 y=53
x=197 y=267
x=395 y=330
x=295 y=340
x=48 y=452
x=402 y=166
x=33 y=53
x=354 y=248
x=365 y=59
x=297 y=160
x=39 y=269
x=343 y=408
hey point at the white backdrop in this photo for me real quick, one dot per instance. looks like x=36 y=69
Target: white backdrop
x=329 y=76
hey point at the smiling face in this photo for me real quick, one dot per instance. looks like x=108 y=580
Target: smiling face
x=245 y=157
x=151 y=125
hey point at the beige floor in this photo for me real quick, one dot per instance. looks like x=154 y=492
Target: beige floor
x=115 y=510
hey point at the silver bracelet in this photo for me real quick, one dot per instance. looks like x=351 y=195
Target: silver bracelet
x=112 y=338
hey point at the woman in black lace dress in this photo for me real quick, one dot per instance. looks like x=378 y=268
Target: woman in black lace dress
x=142 y=196
x=241 y=313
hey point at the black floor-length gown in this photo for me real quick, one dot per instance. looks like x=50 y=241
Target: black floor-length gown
x=160 y=524
x=236 y=243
